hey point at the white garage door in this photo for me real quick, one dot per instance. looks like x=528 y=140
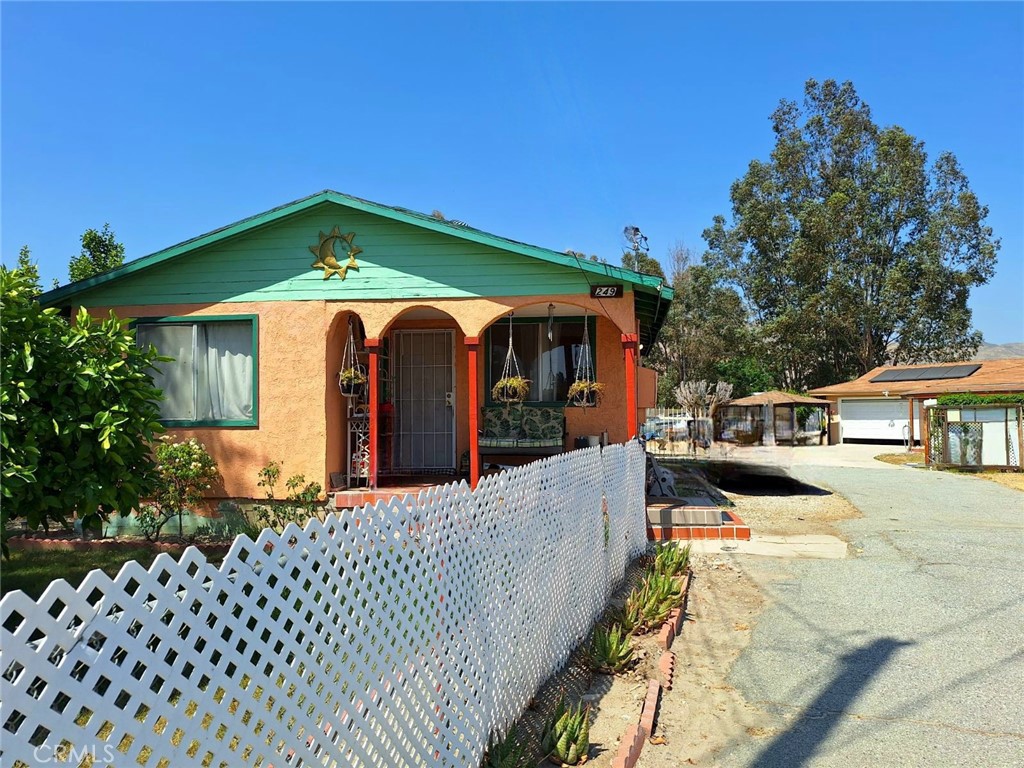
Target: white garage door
x=876 y=419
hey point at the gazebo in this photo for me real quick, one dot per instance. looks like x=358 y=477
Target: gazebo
x=771 y=417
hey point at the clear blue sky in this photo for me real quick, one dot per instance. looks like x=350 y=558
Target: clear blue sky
x=552 y=124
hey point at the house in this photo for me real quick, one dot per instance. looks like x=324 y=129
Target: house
x=261 y=315
x=884 y=405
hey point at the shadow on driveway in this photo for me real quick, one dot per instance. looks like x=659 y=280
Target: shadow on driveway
x=795 y=746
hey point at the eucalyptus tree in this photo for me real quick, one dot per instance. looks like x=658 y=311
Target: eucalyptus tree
x=849 y=247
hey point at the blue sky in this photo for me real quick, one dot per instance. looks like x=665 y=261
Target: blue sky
x=552 y=124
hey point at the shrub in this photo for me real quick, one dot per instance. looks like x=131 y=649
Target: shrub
x=78 y=412
x=185 y=470
x=301 y=503
x=967 y=399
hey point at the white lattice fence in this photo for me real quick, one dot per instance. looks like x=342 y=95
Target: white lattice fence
x=401 y=634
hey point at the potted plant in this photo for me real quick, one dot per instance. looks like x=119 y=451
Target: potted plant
x=511 y=389
x=584 y=392
x=352 y=381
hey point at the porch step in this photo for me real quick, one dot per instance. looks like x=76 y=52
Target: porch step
x=728 y=527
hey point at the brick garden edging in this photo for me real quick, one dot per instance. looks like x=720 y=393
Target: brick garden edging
x=633 y=739
x=37 y=544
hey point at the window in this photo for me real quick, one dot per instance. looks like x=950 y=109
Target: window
x=212 y=379
x=549 y=364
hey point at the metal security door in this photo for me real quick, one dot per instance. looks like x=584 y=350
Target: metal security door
x=424 y=401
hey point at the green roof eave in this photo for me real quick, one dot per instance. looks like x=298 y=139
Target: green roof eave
x=65 y=293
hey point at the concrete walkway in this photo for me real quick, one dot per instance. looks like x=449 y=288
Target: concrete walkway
x=909 y=653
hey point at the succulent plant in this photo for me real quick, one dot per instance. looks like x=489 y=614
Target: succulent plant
x=566 y=737
x=611 y=649
x=509 y=752
x=649 y=604
x=671 y=559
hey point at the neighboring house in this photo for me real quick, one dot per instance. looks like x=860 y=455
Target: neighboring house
x=877 y=407
x=258 y=314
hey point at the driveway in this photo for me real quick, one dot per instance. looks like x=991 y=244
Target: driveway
x=911 y=652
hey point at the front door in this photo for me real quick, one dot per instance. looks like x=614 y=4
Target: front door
x=424 y=370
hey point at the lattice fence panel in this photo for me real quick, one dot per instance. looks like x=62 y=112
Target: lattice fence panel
x=401 y=634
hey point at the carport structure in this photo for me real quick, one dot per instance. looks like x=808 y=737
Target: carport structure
x=770 y=417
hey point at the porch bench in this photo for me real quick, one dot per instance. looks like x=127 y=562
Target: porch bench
x=522 y=430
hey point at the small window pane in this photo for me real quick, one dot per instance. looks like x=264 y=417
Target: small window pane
x=176 y=377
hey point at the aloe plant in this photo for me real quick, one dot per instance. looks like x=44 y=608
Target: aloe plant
x=566 y=737
x=649 y=604
x=611 y=650
x=509 y=752
x=671 y=559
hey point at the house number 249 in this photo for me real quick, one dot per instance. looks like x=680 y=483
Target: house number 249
x=606 y=291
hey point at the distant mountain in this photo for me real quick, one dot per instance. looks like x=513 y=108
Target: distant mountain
x=998 y=351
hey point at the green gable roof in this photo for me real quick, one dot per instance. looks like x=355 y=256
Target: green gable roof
x=652 y=297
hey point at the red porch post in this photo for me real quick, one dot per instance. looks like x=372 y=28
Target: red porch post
x=629 y=349
x=472 y=348
x=373 y=347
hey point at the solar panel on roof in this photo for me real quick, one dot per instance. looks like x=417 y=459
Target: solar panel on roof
x=886 y=376
x=927 y=374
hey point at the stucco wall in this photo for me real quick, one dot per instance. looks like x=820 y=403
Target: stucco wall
x=301 y=412
x=292 y=384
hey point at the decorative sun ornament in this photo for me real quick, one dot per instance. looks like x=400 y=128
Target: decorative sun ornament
x=325 y=258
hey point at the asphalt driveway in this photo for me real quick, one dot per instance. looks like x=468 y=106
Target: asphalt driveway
x=911 y=652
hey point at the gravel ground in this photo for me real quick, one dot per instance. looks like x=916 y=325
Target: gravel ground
x=813 y=512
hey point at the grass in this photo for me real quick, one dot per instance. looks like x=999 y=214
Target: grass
x=1014 y=480
x=904 y=457
x=31 y=571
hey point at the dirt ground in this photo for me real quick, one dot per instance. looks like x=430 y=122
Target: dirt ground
x=1014 y=480
x=795 y=513
x=703 y=713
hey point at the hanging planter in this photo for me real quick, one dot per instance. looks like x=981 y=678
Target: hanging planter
x=585 y=390
x=352 y=381
x=512 y=387
x=352 y=376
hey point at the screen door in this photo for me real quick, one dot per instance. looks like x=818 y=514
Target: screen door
x=424 y=401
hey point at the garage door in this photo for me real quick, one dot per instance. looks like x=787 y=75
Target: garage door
x=875 y=420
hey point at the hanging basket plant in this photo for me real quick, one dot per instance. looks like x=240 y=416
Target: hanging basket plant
x=584 y=392
x=352 y=376
x=511 y=389
x=352 y=381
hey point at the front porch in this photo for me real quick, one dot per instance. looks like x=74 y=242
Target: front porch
x=425 y=405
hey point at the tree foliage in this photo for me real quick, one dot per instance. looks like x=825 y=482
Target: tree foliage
x=78 y=410
x=706 y=326
x=849 y=248
x=100 y=253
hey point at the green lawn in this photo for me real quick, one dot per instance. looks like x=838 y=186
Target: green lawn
x=32 y=571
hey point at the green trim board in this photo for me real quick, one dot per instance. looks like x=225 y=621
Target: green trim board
x=254 y=321
x=499 y=326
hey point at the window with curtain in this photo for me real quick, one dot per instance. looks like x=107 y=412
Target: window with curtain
x=549 y=363
x=211 y=380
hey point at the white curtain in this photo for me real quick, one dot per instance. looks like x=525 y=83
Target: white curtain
x=224 y=371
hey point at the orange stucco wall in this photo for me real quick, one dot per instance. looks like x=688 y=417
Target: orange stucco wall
x=301 y=420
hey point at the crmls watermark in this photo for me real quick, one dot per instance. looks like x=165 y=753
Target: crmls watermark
x=98 y=754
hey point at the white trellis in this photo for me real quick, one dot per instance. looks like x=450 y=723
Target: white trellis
x=399 y=634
